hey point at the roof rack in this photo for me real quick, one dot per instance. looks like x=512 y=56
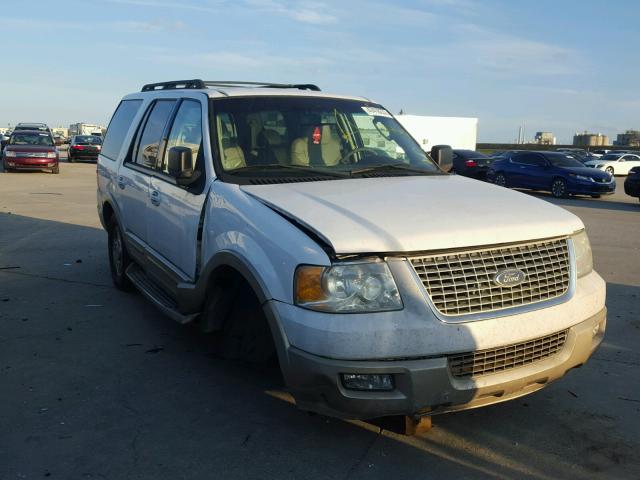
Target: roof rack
x=200 y=84
x=191 y=84
x=233 y=83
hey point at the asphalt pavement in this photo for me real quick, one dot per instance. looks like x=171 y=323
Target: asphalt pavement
x=95 y=383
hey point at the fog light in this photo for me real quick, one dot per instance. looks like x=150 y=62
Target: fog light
x=361 y=381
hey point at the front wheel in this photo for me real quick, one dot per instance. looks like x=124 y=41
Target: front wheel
x=609 y=170
x=559 y=188
x=118 y=258
x=501 y=180
x=55 y=170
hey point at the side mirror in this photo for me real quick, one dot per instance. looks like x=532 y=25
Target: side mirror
x=180 y=165
x=443 y=156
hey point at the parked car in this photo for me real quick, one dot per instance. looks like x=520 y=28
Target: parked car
x=616 y=163
x=84 y=147
x=31 y=150
x=384 y=285
x=470 y=163
x=554 y=172
x=632 y=183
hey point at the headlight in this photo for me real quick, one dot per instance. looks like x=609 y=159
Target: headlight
x=10 y=153
x=584 y=178
x=52 y=154
x=582 y=250
x=349 y=287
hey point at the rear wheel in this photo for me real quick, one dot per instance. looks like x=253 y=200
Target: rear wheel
x=559 y=188
x=500 y=180
x=70 y=159
x=118 y=258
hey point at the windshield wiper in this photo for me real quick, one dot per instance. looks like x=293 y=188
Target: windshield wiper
x=394 y=166
x=297 y=168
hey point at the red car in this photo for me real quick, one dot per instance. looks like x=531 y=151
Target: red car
x=31 y=150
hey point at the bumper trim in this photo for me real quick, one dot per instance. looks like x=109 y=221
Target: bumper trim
x=425 y=386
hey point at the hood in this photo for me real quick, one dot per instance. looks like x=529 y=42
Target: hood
x=587 y=171
x=31 y=148
x=405 y=214
x=598 y=162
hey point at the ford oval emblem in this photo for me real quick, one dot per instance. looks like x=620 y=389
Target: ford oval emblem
x=510 y=277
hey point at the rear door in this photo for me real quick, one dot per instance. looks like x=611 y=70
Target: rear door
x=136 y=170
x=173 y=222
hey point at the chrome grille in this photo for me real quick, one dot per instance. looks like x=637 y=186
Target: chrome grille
x=463 y=282
x=492 y=360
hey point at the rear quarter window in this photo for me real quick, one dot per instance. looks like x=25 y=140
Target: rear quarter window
x=118 y=127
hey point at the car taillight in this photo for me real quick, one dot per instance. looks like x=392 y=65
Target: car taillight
x=471 y=163
x=78 y=147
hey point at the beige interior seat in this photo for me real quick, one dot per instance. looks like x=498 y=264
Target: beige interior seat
x=232 y=156
x=329 y=148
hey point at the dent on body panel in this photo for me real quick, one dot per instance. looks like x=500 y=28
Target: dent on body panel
x=270 y=245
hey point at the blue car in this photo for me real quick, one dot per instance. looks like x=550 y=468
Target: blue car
x=553 y=172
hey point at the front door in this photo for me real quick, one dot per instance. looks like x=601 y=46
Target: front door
x=172 y=229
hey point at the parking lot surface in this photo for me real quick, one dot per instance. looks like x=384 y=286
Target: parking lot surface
x=95 y=383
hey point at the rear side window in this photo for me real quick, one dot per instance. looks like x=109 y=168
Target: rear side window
x=118 y=127
x=147 y=154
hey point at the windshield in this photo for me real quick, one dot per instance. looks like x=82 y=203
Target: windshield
x=564 y=161
x=88 y=140
x=610 y=156
x=31 y=139
x=340 y=138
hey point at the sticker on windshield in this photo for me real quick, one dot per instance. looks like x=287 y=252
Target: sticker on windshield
x=376 y=112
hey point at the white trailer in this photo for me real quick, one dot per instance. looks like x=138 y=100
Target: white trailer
x=84 y=129
x=458 y=132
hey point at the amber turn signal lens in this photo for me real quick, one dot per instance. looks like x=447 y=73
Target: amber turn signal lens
x=308 y=284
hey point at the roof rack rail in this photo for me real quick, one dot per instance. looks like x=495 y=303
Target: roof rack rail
x=200 y=84
x=233 y=83
x=189 y=84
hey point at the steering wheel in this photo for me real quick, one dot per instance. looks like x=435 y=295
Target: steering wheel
x=357 y=150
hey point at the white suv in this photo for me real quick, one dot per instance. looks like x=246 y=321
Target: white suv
x=310 y=225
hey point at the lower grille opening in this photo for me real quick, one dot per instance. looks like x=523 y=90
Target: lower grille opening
x=498 y=359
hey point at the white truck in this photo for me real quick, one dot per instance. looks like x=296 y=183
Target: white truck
x=458 y=132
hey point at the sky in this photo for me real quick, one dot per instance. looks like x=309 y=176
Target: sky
x=553 y=65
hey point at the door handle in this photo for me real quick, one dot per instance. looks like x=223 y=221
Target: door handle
x=155 y=197
x=121 y=183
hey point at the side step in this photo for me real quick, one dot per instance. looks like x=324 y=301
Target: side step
x=155 y=294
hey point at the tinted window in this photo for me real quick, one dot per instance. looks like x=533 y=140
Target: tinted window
x=529 y=159
x=119 y=126
x=610 y=156
x=19 y=138
x=560 y=160
x=469 y=154
x=149 y=143
x=88 y=140
x=186 y=131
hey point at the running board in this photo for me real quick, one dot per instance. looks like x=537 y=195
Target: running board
x=155 y=294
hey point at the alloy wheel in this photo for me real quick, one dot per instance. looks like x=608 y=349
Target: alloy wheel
x=501 y=180
x=558 y=188
x=116 y=251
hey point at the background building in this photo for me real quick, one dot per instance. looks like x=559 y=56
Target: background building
x=590 y=140
x=545 y=138
x=630 y=138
